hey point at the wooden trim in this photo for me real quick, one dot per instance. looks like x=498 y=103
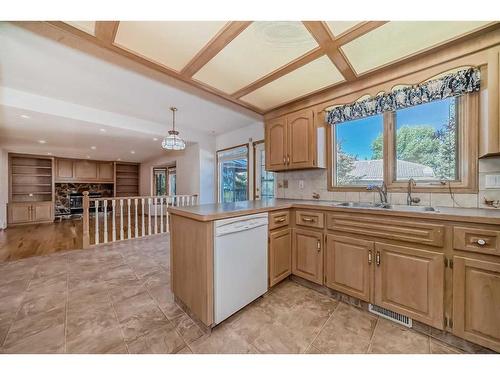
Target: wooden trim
x=320 y=31
x=217 y=167
x=358 y=31
x=106 y=30
x=230 y=31
x=254 y=144
x=280 y=72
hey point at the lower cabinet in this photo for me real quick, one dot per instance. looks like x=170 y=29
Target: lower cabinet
x=42 y=211
x=476 y=301
x=410 y=281
x=307 y=255
x=280 y=255
x=21 y=213
x=348 y=265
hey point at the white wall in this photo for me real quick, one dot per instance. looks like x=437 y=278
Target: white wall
x=4 y=188
x=248 y=135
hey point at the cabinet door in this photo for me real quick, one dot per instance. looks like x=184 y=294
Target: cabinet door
x=410 y=281
x=476 y=301
x=348 y=264
x=280 y=255
x=276 y=147
x=42 y=211
x=106 y=171
x=85 y=170
x=307 y=255
x=301 y=140
x=64 y=169
x=19 y=213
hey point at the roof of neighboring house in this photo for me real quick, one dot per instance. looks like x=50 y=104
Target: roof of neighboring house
x=373 y=170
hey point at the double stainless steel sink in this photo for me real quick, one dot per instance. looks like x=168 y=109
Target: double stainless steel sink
x=386 y=206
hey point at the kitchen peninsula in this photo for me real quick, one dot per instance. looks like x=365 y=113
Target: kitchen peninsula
x=410 y=260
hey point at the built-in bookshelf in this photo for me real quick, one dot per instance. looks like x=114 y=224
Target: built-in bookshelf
x=31 y=179
x=126 y=180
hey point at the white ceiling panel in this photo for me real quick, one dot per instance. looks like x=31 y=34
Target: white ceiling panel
x=339 y=27
x=260 y=49
x=170 y=43
x=311 y=77
x=398 y=39
x=87 y=26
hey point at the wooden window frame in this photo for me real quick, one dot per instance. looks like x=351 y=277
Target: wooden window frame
x=218 y=173
x=468 y=145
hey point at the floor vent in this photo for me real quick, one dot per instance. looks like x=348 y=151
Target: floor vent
x=391 y=315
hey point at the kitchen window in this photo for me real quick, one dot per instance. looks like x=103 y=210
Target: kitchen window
x=232 y=174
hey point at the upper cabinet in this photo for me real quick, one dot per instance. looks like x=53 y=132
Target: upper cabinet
x=489 y=137
x=75 y=170
x=294 y=141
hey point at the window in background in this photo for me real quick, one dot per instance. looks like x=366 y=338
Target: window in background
x=426 y=141
x=232 y=168
x=358 y=153
x=172 y=178
x=164 y=181
x=264 y=181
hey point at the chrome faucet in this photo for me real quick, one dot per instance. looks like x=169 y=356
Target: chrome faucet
x=409 y=198
x=382 y=191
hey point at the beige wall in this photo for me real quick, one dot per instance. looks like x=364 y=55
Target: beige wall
x=4 y=188
x=315 y=181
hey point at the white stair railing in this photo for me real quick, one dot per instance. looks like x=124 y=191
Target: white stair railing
x=144 y=216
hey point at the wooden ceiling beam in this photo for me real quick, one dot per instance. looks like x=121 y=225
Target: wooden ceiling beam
x=320 y=31
x=358 y=31
x=230 y=31
x=105 y=31
x=280 y=72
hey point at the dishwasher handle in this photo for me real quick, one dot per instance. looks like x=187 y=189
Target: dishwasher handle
x=240 y=226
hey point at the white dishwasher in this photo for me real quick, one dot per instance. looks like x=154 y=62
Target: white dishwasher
x=240 y=263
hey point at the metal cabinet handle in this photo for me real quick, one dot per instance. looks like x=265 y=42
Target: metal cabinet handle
x=284 y=160
x=279 y=220
x=319 y=245
x=308 y=219
x=377 y=258
x=369 y=257
x=288 y=159
x=481 y=242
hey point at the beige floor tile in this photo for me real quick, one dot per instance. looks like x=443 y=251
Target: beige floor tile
x=42 y=303
x=120 y=290
x=349 y=330
x=439 y=347
x=394 y=339
x=185 y=350
x=48 y=284
x=187 y=328
x=14 y=287
x=50 y=340
x=222 y=341
x=103 y=342
x=313 y=350
x=162 y=341
x=134 y=305
x=90 y=322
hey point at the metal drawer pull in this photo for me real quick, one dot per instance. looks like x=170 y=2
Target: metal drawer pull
x=288 y=159
x=279 y=220
x=377 y=258
x=310 y=219
x=319 y=245
x=481 y=242
x=284 y=160
x=369 y=257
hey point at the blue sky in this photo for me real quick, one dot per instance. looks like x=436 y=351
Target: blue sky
x=358 y=135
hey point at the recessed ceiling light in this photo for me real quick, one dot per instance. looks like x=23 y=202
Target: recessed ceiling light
x=49 y=153
x=88 y=156
x=119 y=159
x=155 y=139
x=132 y=152
x=25 y=116
x=102 y=130
x=42 y=141
x=93 y=147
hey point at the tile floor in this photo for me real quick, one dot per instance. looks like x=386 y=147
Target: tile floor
x=116 y=299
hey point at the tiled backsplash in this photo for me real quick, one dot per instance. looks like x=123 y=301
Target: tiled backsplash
x=315 y=182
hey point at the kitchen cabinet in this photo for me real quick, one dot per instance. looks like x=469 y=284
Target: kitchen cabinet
x=294 y=142
x=36 y=212
x=106 y=171
x=64 y=169
x=307 y=255
x=476 y=301
x=85 y=170
x=280 y=255
x=410 y=281
x=489 y=124
x=77 y=171
x=348 y=267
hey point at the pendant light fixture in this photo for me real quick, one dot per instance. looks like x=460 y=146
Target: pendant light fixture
x=172 y=141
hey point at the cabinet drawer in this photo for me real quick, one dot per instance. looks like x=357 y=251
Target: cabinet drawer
x=279 y=219
x=310 y=219
x=476 y=240
x=395 y=229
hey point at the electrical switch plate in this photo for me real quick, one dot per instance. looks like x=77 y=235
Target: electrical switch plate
x=492 y=181
x=301 y=184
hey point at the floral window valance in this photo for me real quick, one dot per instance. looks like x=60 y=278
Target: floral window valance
x=460 y=82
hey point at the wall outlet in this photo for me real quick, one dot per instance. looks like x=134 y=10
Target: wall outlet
x=285 y=184
x=301 y=184
x=492 y=181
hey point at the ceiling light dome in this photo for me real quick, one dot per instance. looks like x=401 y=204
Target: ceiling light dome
x=172 y=141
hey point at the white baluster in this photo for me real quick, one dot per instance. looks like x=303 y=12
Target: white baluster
x=96 y=222
x=113 y=207
x=143 y=230
x=129 y=229
x=168 y=215
x=156 y=215
x=149 y=216
x=105 y=205
x=136 y=232
x=121 y=219
x=161 y=214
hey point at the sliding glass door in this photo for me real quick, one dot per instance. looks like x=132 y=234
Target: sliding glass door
x=232 y=172
x=264 y=187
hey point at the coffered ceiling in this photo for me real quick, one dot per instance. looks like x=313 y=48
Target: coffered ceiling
x=264 y=65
